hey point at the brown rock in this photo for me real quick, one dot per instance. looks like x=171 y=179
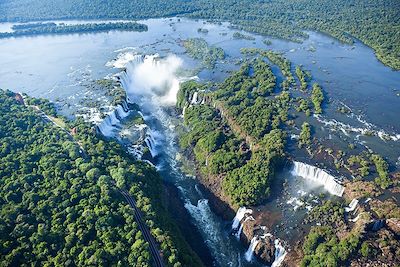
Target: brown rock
x=394 y=225
x=266 y=250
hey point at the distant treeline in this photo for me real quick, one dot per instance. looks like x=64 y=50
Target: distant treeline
x=374 y=22
x=52 y=28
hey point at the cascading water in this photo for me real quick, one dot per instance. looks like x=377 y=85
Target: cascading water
x=250 y=251
x=352 y=206
x=112 y=121
x=153 y=93
x=239 y=232
x=319 y=176
x=241 y=212
x=280 y=253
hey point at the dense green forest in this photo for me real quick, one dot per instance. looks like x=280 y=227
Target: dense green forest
x=376 y=23
x=198 y=48
x=60 y=202
x=237 y=132
x=52 y=28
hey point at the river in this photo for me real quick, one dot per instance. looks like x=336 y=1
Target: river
x=63 y=68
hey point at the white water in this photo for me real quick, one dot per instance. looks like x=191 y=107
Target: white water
x=241 y=212
x=250 y=251
x=280 y=253
x=113 y=120
x=239 y=232
x=152 y=83
x=319 y=176
x=347 y=129
x=352 y=206
x=194 y=99
x=355 y=219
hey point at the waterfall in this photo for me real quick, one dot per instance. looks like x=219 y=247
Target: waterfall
x=250 y=251
x=108 y=126
x=194 y=98
x=319 y=176
x=352 y=206
x=241 y=212
x=355 y=219
x=280 y=253
x=151 y=142
x=239 y=232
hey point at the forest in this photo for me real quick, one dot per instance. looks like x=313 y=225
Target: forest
x=52 y=28
x=198 y=48
x=237 y=132
x=60 y=196
x=375 y=23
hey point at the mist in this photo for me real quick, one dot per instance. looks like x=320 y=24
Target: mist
x=156 y=78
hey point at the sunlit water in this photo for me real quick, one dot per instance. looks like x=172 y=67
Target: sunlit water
x=64 y=67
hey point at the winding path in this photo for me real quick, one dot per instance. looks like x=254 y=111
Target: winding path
x=144 y=229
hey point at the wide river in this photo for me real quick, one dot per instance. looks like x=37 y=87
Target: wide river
x=62 y=68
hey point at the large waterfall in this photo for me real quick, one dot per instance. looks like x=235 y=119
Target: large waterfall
x=111 y=122
x=319 y=176
x=151 y=82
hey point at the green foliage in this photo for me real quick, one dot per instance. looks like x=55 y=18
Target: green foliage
x=305 y=135
x=303 y=78
x=361 y=163
x=304 y=106
x=382 y=167
x=365 y=250
x=242 y=99
x=250 y=184
x=317 y=97
x=283 y=64
x=322 y=248
x=198 y=48
x=328 y=214
x=374 y=22
x=52 y=28
x=238 y=35
x=219 y=138
x=59 y=204
x=186 y=91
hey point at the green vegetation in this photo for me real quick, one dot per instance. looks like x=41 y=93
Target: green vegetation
x=283 y=64
x=60 y=202
x=304 y=106
x=52 y=28
x=305 y=135
x=238 y=35
x=198 y=48
x=362 y=164
x=237 y=133
x=328 y=214
x=373 y=22
x=303 y=78
x=186 y=92
x=381 y=167
x=323 y=248
x=317 y=97
x=114 y=90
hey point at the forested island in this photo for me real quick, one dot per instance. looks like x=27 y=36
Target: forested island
x=373 y=22
x=53 y=28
